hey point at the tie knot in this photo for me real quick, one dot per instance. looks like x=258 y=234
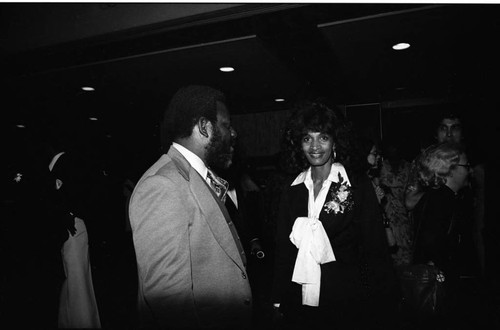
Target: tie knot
x=218 y=185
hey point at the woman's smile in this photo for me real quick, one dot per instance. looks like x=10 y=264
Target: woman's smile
x=316 y=154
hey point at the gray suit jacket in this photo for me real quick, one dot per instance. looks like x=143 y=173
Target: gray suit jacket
x=191 y=267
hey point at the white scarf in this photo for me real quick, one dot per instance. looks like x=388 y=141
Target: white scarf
x=309 y=236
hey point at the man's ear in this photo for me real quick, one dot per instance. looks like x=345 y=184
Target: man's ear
x=204 y=127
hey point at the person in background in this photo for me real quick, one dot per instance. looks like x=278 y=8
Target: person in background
x=191 y=263
x=375 y=163
x=368 y=158
x=332 y=266
x=394 y=174
x=449 y=129
x=439 y=215
x=242 y=206
x=242 y=203
x=73 y=188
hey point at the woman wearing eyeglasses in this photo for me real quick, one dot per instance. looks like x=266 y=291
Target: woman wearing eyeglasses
x=439 y=215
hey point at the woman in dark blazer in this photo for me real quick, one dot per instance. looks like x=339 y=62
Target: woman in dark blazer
x=440 y=218
x=445 y=170
x=351 y=267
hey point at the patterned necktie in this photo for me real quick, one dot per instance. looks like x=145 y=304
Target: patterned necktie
x=218 y=185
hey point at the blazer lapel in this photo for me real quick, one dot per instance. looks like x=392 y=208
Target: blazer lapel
x=337 y=222
x=218 y=219
x=214 y=210
x=331 y=222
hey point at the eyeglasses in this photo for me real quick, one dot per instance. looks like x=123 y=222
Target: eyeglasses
x=467 y=166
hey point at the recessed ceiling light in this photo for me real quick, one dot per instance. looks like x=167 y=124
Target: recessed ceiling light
x=226 y=69
x=93 y=118
x=88 y=89
x=20 y=126
x=401 y=46
x=279 y=100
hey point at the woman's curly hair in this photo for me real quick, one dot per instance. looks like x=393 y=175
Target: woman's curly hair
x=436 y=162
x=313 y=116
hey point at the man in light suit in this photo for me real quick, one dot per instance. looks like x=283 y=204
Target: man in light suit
x=191 y=264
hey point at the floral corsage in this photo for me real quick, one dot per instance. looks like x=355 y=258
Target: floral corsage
x=342 y=199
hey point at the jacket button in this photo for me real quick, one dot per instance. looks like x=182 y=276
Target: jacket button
x=244 y=275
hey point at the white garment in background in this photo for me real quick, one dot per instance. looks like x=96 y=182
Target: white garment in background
x=77 y=302
x=77 y=305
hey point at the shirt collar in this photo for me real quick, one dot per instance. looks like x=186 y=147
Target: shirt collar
x=193 y=159
x=305 y=177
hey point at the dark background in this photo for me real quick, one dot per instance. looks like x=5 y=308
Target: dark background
x=137 y=55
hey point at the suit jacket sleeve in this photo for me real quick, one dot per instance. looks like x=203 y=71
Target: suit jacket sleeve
x=162 y=214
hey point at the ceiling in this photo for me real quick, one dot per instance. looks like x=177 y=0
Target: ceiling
x=137 y=55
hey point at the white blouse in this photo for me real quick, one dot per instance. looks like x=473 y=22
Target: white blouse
x=309 y=236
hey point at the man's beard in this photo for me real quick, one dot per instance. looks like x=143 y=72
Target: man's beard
x=219 y=151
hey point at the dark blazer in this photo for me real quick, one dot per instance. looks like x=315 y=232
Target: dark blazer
x=362 y=265
x=439 y=216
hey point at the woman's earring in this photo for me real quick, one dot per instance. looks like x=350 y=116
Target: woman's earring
x=334 y=155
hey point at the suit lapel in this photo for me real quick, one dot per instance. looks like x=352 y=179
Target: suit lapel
x=218 y=219
x=337 y=222
x=214 y=210
x=331 y=222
